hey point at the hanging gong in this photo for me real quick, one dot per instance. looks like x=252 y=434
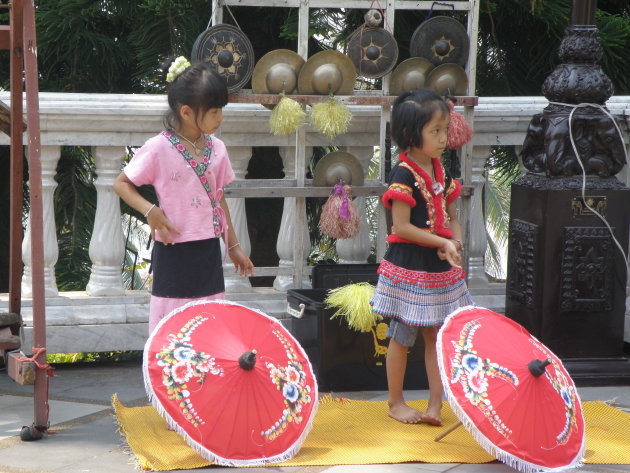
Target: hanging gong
x=410 y=74
x=276 y=72
x=441 y=40
x=327 y=72
x=373 y=51
x=229 y=51
x=448 y=79
x=338 y=165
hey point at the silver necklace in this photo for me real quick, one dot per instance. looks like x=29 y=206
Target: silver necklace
x=437 y=187
x=198 y=149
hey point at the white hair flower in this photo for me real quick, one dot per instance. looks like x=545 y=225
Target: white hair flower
x=176 y=68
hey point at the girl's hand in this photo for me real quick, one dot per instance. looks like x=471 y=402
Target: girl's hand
x=458 y=245
x=448 y=251
x=160 y=223
x=242 y=264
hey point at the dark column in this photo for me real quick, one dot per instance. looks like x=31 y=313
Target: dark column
x=583 y=12
x=566 y=276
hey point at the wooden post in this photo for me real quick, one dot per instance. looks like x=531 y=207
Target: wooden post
x=37 y=217
x=17 y=157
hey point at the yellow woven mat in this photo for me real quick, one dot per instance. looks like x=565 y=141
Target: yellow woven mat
x=360 y=432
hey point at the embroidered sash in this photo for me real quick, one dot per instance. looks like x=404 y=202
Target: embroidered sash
x=435 y=201
x=200 y=168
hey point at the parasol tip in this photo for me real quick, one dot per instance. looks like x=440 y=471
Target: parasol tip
x=247 y=360
x=537 y=367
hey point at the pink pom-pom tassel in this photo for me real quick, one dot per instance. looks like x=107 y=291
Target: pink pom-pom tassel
x=459 y=131
x=339 y=218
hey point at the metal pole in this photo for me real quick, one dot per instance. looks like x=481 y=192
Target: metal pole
x=37 y=216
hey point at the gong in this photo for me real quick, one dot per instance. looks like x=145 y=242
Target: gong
x=441 y=40
x=448 y=79
x=373 y=51
x=338 y=165
x=230 y=52
x=276 y=72
x=410 y=74
x=327 y=72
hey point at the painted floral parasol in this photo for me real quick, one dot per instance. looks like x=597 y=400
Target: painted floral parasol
x=510 y=391
x=232 y=381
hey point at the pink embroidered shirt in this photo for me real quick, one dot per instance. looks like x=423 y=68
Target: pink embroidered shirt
x=181 y=193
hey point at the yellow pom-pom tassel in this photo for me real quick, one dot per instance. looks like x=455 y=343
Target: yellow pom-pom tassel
x=331 y=118
x=286 y=117
x=352 y=302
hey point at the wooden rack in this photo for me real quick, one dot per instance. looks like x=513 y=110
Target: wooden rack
x=300 y=187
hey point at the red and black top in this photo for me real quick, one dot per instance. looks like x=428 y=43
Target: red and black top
x=409 y=183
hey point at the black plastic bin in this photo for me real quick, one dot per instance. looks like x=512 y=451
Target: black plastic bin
x=344 y=359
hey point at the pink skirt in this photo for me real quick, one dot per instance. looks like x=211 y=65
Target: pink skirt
x=160 y=307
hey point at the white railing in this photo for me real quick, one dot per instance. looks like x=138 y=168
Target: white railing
x=108 y=123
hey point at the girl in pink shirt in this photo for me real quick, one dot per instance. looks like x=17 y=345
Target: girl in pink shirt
x=188 y=167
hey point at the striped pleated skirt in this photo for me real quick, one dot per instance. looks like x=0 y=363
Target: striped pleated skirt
x=419 y=297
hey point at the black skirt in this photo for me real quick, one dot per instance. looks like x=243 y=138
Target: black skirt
x=187 y=270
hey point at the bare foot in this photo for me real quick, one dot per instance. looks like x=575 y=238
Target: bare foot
x=432 y=416
x=403 y=413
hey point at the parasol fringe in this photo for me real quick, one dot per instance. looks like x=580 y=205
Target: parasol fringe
x=203 y=452
x=482 y=440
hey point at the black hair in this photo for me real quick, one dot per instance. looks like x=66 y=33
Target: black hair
x=198 y=86
x=411 y=111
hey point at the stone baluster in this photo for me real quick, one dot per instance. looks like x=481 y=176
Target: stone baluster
x=107 y=248
x=357 y=249
x=284 y=246
x=49 y=158
x=239 y=157
x=478 y=237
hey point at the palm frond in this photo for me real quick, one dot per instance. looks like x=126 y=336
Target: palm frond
x=502 y=169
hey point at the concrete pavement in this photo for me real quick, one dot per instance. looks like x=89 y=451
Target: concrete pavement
x=85 y=437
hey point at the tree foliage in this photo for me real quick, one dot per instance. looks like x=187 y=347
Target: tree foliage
x=519 y=40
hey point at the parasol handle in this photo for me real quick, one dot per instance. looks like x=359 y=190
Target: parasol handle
x=446 y=431
x=247 y=360
x=537 y=367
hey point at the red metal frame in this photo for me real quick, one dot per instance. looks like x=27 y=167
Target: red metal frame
x=20 y=38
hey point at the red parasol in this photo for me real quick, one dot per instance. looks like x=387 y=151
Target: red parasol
x=510 y=391
x=232 y=381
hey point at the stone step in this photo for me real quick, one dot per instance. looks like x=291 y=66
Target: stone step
x=78 y=323
x=10 y=318
x=8 y=341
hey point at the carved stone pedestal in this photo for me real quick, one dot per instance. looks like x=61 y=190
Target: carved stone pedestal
x=566 y=276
